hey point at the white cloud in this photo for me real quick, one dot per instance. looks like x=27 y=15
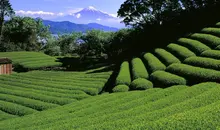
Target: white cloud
x=72 y=11
x=98 y=19
x=78 y=15
x=113 y=15
x=22 y=12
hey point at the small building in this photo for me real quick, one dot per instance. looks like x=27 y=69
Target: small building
x=5 y=66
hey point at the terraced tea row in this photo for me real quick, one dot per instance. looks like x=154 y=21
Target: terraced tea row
x=31 y=60
x=27 y=93
x=175 y=107
x=190 y=60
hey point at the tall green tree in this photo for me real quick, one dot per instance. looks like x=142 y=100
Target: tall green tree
x=5 y=10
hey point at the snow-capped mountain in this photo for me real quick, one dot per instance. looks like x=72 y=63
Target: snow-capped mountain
x=92 y=15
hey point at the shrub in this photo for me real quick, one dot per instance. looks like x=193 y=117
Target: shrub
x=210 y=40
x=213 y=31
x=120 y=88
x=138 y=69
x=218 y=24
x=193 y=45
x=203 y=62
x=194 y=74
x=141 y=84
x=166 y=79
x=124 y=77
x=153 y=63
x=212 y=54
x=166 y=57
x=181 y=52
x=218 y=47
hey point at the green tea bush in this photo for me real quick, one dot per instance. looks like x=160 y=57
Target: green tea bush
x=208 y=39
x=193 y=45
x=166 y=57
x=120 y=88
x=166 y=79
x=211 y=54
x=218 y=24
x=218 y=47
x=213 y=31
x=141 y=84
x=194 y=74
x=153 y=63
x=15 y=109
x=181 y=52
x=138 y=69
x=203 y=62
x=124 y=77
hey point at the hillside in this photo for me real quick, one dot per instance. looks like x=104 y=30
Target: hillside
x=69 y=27
x=195 y=107
x=188 y=61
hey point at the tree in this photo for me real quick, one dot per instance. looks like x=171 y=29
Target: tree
x=25 y=33
x=5 y=10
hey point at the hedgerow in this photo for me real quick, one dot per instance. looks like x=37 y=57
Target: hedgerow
x=15 y=109
x=153 y=63
x=181 y=52
x=218 y=47
x=193 y=45
x=213 y=31
x=5 y=115
x=141 y=84
x=120 y=88
x=211 y=54
x=203 y=62
x=138 y=69
x=208 y=39
x=166 y=57
x=124 y=77
x=34 y=104
x=165 y=79
x=194 y=74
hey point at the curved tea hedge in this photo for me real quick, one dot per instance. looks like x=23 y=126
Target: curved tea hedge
x=213 y=31
x=124 y=77
x=166 y=79
x=141 y=84
x=181 y=52
x=138 y=69
x=120 y=88
x=166 y=57
x=210 y=40
x=203 y=62
x=153 y=63
x=215 y=54
x=193 y=45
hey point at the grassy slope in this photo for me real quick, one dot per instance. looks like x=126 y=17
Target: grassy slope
x=195 y=107
x=31 y=60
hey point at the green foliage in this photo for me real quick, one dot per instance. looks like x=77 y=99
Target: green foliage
x=141 y=84
x=210 y=40
x=151 y=109
x=194 y=74
x=193 y=45
x=166 y=57
x=24 y=33
x=15 y=109
x=124 y=77
x=153 y=63
x=31 y=60
x=212 y=54
x=218 y=47
x=203 y=62
x=213 y=31
x=180 y=51
x=120 y=88
x=218 y=24
x=138 y=69
x=166 y=79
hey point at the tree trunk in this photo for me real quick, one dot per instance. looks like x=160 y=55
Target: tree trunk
x=1 y=25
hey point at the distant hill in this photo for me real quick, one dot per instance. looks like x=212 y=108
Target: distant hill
x=68 y=27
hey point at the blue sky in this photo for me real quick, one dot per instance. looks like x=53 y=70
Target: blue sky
x=63 y=6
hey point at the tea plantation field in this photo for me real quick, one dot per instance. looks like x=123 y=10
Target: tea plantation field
x=195 y=107
x=26 y=93
x=180 y=83
x=188 y=61
x=31 y=60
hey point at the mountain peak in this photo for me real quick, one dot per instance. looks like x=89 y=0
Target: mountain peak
x=90 y=8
